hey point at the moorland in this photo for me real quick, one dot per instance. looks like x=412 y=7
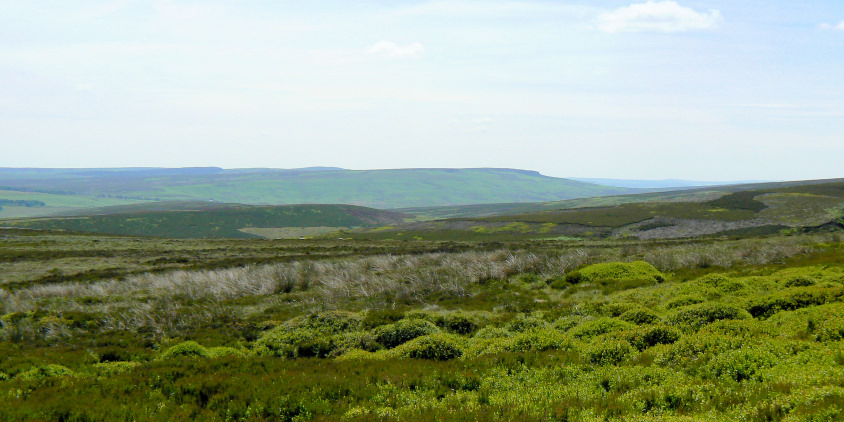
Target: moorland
x=703 y=304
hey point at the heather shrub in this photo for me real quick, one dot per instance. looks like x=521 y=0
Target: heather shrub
x=523 y=323
x=691 y=350
x=800 y=281
x=358 y=354
x=107 y=369
x=646 y=337
x=438 y=346
x=616 y=271
x=713 y=280
x=794 y=298
x=364 y=340
x=539 y=340
x=292 y=344
x=696 y=316
x=330 y=322
x=493 y=332
x=741 y=365
x=685 y=300
x=217 y=352
x=403 y=331
x=640 y=316
x=187 y=348
x=47 y=371
x=611 y=352
x=600 y=326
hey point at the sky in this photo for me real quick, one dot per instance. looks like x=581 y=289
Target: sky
x=699 y=90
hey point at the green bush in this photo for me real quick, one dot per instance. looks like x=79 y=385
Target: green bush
x=47 y=371
x=566 y=323
x=640 y=316
x=715 y=280
x=523 y=323
x=615 y=309
x=216 y=352
x=455 y=322
x=609 y=353
x=647 y=337
x=403 y=331
x=363 y=340
x=600 y=326
x=795 y=298
x=188 y=348
x=681 y=301
x=379 y=317
x=690 y=350
x=107 y=369
x=493 y=332
x=539 y=340
x=438 y=346
x=573 y=277
x=292 y=344
x=330 y=322
x=616 y=271
x=800 y=281
x=705 y=313
x=741 y=365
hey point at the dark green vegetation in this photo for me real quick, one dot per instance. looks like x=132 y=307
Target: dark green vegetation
x=208 y=220
x=705 y=329
x=766 y=209
x=372 y=188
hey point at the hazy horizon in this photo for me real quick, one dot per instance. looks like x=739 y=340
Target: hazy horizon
x=642 y=90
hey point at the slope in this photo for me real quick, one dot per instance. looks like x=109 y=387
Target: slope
x=373 y=188
x=192 y=220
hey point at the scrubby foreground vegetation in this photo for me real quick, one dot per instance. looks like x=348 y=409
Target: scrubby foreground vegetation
x=717 y=329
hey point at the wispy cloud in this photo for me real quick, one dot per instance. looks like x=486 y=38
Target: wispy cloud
x=828 y=26
x=665 y=16
x=393 y=50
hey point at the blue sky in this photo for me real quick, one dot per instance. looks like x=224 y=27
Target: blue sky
x=708 y=90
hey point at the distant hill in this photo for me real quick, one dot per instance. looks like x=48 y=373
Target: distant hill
x=734 y=210
x=663 y=183
x=207 y=220
x=385 y=189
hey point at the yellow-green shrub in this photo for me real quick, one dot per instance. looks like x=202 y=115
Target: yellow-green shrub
x=705 y=313
x=187 y=348
x=616 y=271
x=645 y=337
x=438 y=346
x=47 y=371
x=609 y=353
x=600 y=326
x=403 y=331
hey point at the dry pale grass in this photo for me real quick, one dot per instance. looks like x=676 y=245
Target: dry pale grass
x=173 y=302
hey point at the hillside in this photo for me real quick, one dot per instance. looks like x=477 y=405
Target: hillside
x=204 y=220
x=372 y=188
x=749 y=209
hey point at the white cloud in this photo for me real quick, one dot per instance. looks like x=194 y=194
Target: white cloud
x=828 y=26
x=393 y=50
x=665 y=16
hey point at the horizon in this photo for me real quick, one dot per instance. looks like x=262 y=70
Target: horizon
x=635 y=90
x=332 y=168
